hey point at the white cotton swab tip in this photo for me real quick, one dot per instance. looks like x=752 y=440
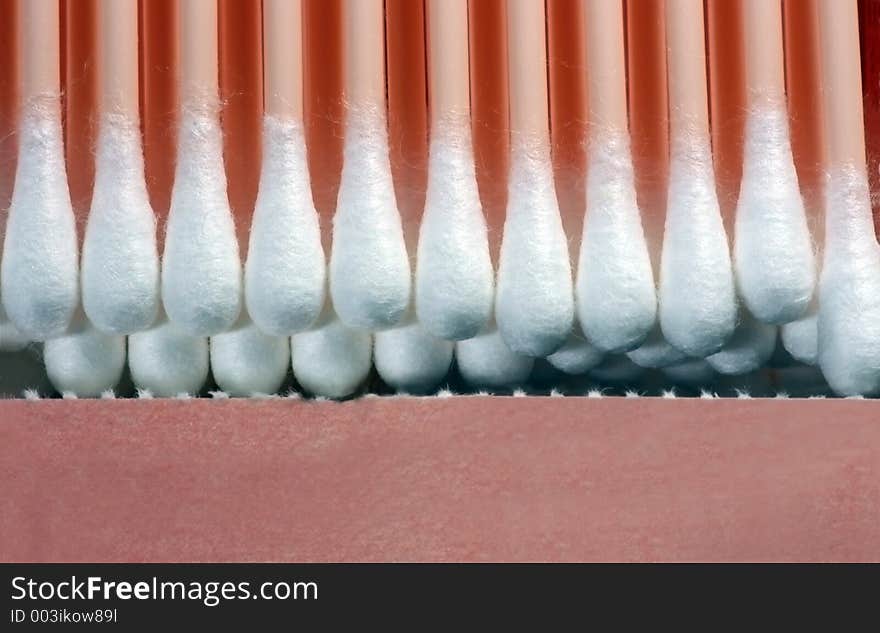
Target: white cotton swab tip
x=698 y=305
x=848 y=323
x=410 y=359
x=245 y=361
x=773 y=251
x=656 y=352
x=39 y=280
x=616 y=296
x=577 y=356
x=369 y=266
x=750 y=347
x=487 y=361
x=120 y=261
x=166 y=361
x=201 y=269
x=285 y=273
x=85 y=361
x=534 y=305
x=331 y=360
x=11 y=340
x=454 y=276
x=800 y=338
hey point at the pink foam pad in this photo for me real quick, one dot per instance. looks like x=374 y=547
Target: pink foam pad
x=465 y=478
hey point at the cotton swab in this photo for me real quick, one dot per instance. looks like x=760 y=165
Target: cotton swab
x=454 y=276
x=11 y=340
x=84 y=362
x=697 y=298
x=656 y=352
x=577 y=356
x=773 y=251
x=369 y=266
x=285 y=271
x=647 y=98
x=534 y=305
x=750 y=347
x=245 y=361
x=800 y=338
x=39 y=278
x=803 y=85
x=849 y=290
x=165 y=361
x=616 y=297
x=201 y=269
x=331 y=360
x=486 y=361
x=410 y=359
x=120 y=261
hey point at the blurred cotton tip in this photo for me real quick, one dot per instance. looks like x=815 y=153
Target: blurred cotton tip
x=773 y=250
x=800 y=338
x=369 y=266
x=201 y=270
x=577 y=356
x=285 y=270
x=617 y=369
x=332 y=359
x=454 y=276
x=750 y=347
x=84 y=361
x=616 y=296
x=692 y=373
x=410 y=359
x=11 y=339
x=39 y=280
x=120 y=262
x=698 y=306
x=487 y=361
x=849 y=289
x=656 y=352
x=245 y=361
x=534 y=305
x=166 y=361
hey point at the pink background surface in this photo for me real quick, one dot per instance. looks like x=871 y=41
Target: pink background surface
x=465 y=478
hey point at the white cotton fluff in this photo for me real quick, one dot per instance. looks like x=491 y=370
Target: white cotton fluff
x=577 y=356
x=166 y=361
x=11 y=340
x=617 y=369
x=616 y=296
x=285 y=273
x=656 y=352
x=534 y=305
x=370 y=276
x=773 y=250
x=245 y=361
x=698 y=306
x=454 y=277
x=332 y=360
x=487 y=361
x=410 y=359
x=800 y=338
x=750 y=347
x=85 y=361
x=849 y=289
x=39 y=280
x=201 y=269
x=120 y=261
x=693 y=373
